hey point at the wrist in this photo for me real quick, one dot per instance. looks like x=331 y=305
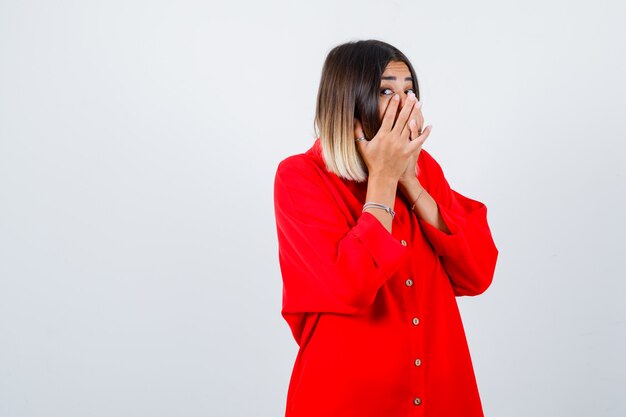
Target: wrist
x=412 y=190
x=382 y=179
x=408 y=183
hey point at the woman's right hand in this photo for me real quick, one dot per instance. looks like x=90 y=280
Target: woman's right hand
x=386 y=154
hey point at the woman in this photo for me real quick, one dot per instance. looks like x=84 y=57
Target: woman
x=370 y=274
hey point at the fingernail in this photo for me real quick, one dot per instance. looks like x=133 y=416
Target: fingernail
x=413 y=122
x=419 y=104
x=396 y=97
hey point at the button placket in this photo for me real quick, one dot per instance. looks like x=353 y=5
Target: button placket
x=417 y=362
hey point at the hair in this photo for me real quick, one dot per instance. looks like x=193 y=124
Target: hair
x=349 y=89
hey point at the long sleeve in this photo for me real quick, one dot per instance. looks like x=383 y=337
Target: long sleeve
x=468 y=253
x=327 y=264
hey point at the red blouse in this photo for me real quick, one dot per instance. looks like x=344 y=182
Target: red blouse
x=374 y=313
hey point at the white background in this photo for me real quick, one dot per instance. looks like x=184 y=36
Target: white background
x=138 y=143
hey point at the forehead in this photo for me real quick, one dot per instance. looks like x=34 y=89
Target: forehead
x=397 y=69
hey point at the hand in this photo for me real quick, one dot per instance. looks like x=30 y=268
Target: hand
x=409 y=173
x=388 y=153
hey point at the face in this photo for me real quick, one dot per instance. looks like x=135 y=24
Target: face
x=395 y=79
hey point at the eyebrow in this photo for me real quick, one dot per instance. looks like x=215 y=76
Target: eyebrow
x=392 y=77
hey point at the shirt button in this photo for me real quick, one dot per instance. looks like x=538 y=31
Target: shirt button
x=416 y=321
x=418 y=362
x=403 y=242
x=417 y=401
x=408 y=282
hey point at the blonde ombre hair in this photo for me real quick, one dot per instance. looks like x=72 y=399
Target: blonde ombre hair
x=349 y=89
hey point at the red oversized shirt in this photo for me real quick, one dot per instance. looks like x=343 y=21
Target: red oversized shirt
x=374 y=313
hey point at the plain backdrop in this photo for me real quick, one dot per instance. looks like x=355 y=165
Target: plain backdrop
x=139 y=268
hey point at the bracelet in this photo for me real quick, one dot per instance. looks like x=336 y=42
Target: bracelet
x=380 y=206
x=415 y=201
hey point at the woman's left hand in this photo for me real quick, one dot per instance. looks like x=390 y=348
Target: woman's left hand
x=416 y=134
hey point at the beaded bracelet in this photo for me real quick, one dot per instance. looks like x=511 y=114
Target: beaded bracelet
x=380 y=206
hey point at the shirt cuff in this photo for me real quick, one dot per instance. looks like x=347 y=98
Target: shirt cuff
x=386 y=250
x=449 y=245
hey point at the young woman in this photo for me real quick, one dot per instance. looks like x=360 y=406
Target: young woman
x=374 y=246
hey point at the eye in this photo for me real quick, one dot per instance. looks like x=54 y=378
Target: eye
x=383 y=91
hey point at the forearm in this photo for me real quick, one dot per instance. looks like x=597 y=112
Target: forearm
x=426 y=207
x=381 y=190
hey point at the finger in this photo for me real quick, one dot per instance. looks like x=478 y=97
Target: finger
x=414 y=130
x=414 y=126
x=390 y=113
x=358 y=133
x=419 y=141
x=358 y=129
x=417 y=115
x=404 y=114
x=408 y=132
